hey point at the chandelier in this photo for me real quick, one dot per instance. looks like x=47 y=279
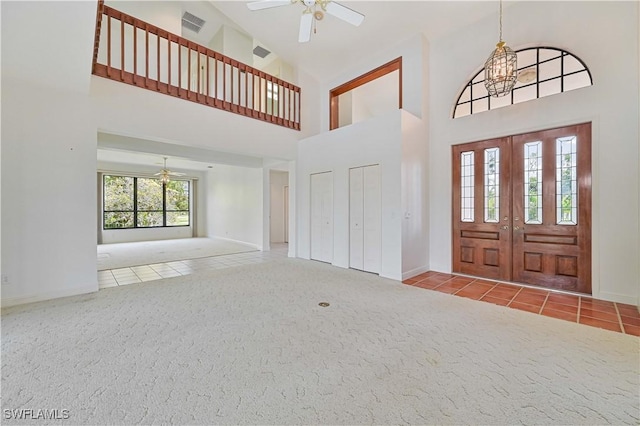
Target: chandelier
x=501 y=68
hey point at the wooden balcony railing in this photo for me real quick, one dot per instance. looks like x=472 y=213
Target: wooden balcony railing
x=135 y=52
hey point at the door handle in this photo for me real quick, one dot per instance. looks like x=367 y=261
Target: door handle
x=505 y=227
x=515 y=228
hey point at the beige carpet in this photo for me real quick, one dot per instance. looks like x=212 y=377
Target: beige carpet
x=122 y=255
x=250 y=345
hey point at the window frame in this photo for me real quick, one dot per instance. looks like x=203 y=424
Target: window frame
x=562 y=53
x=136 y=210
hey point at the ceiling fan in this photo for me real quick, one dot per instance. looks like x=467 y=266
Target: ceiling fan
x=314 y=11
x=166 y=173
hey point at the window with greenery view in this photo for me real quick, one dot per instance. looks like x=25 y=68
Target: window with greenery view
x=136 y=202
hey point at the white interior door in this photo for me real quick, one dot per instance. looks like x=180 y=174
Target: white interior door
x=372 y=213
x=286 y=214
x=364 y=218
x=322 y=217
x=356 y=218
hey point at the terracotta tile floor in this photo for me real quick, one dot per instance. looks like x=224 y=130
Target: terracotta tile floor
x=581 y=309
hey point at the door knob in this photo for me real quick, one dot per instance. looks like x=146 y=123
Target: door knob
x=505 y=227
x=515 y=228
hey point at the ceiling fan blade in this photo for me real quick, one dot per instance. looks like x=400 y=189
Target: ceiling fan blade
x=266 y=4
x=306 y=22
x=177 y=174
x=344 y=13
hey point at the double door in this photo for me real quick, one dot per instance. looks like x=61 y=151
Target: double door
x=522 y=208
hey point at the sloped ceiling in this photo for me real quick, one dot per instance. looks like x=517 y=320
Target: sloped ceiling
x=337 y=45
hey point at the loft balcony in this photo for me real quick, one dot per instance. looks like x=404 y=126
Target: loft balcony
x=134 y=52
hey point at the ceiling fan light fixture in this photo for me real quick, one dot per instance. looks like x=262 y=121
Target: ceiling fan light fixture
x=165 y=174
x=501 y=68
x=314 y=10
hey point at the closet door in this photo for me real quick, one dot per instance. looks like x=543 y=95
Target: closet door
x=322 y=217
x=364 y=218
x=372 y=213
x=356 y=218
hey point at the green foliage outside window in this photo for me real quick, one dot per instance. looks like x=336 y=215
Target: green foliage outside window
x=131 y=202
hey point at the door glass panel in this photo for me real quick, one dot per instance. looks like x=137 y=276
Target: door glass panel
x=566 y=181
x=533 y=183
x=466 y=186
x=491 y=185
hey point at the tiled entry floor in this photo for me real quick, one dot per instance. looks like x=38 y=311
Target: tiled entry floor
x=581 y=309
x=158 y=271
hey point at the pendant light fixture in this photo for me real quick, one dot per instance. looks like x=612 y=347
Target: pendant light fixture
x=501 y=68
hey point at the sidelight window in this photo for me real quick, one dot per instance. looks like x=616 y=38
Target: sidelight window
x=467 y=186
x=566 y=181
x=533 y=183
x=491 y=185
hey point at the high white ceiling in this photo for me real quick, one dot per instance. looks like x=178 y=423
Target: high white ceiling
x=337 y=44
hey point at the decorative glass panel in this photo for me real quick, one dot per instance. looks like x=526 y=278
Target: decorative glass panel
x=533 y=183
x=576 y=81
x=550 y=87
x=524 y=94
x=542 y=71
x=550 y=69
x=467 y=186
x=566 y=181
x=492 y=185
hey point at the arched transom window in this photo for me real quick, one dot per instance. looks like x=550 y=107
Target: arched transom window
x=542 y=71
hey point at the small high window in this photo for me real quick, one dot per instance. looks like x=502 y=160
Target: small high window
x=542 y=71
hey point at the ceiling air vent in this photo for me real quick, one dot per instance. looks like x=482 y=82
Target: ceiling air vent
x=192 y=22
x=260 y=51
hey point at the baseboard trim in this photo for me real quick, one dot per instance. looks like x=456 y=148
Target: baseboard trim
x=255 y=246
x=414 y=272
x=22 y=300
x=618 y=298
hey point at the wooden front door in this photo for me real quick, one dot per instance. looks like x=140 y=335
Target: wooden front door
x=482 y=198
x=542 y=201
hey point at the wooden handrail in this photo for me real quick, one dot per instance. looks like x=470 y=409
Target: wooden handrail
x=96 y=40
x=167 y=63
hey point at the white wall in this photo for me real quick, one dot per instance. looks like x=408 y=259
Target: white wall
x=49 y=143
x=39 y=28
x=237 y=45
x=197 y=227
x=48 y=151
x=375 y=98
x=605 y=36
x=278 y=180
x=370 y=142
x=164 y=14
x=413 y=83
x=160 y=117
x=415 y=197
x=235 y=204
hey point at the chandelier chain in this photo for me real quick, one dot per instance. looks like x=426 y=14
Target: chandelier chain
x=500 y=20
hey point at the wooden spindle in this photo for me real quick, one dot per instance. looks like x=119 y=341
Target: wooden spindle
x=109 y=46
x=121 y=49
